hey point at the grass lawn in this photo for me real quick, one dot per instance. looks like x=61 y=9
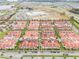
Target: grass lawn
x=3 y=57
x=76 y=24
x=5 y=12
x=2 y=34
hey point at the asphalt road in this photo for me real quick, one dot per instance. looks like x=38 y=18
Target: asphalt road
x=18 y=55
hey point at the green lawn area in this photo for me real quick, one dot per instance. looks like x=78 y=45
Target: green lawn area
x=3 y=57
x=4 y=12
x=2 y=34
x=76 y=24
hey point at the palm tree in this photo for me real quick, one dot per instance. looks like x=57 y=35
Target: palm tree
x=25 y=51
x=11 y=57
x=2 y=54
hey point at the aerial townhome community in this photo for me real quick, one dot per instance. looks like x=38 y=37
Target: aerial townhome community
x=38 y=30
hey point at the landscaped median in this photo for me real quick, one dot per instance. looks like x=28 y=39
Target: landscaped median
x=20 y=38
x=57 y=34
x=58 y=37
x=74 y=22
